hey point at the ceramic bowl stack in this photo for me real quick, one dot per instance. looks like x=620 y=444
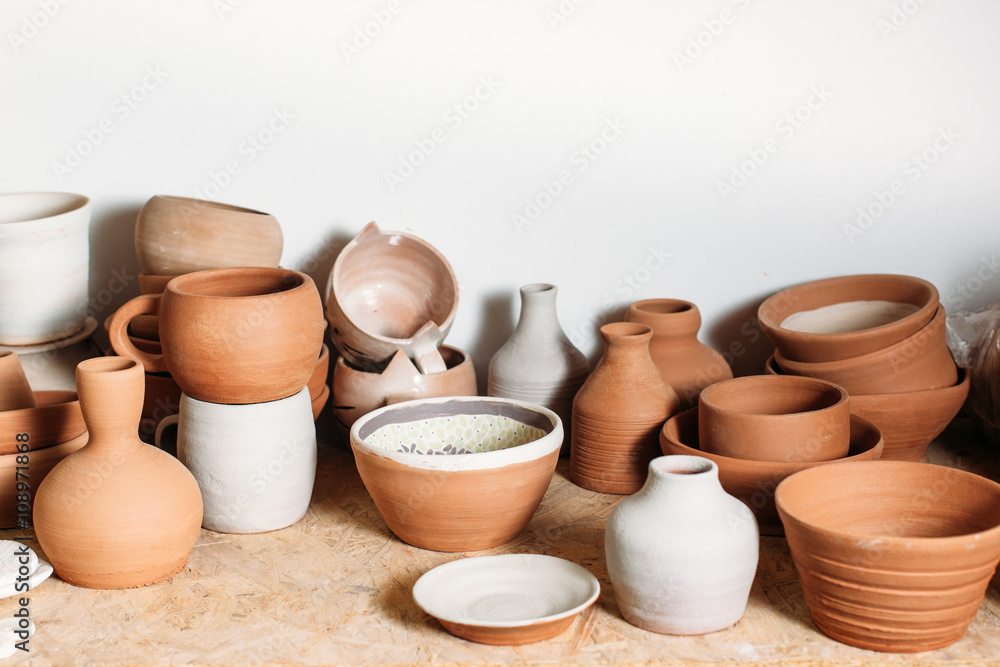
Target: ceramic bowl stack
x=882 y=338
x=390 y=301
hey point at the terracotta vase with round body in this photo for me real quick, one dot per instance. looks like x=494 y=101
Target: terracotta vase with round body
x=685 y=363
x=118 y=513
x=538 y=363
x=618 y=413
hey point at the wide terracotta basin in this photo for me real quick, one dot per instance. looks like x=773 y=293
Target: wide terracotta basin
x=40 y=464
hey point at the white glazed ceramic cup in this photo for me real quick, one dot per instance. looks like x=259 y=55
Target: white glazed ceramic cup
x=44 y=266
x=255 y=463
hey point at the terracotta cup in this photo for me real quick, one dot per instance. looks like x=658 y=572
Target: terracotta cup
x=775 y=418
x=15 y=392
x=244 y=335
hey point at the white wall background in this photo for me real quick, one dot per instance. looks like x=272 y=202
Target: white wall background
x=886 y=79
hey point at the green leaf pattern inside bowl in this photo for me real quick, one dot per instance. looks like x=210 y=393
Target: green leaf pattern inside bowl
x=458 y=434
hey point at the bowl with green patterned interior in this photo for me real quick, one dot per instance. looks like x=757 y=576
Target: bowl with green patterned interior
x=457 y=473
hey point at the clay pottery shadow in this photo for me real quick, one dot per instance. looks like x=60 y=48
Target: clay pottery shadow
x=55 y=421
x=15 y=391
x=14 y=512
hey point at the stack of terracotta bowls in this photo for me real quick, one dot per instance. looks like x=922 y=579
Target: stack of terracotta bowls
x=882 y=338
x=391 y=300
x=761 y=429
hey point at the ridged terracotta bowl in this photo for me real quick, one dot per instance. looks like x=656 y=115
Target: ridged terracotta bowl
x=892 y=555
x=810 y=347
x=56 y=420
x=457 y=473
x=754 y=482
x=40 y=464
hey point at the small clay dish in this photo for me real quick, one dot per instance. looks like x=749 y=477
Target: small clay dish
x=815 y=347
x=892 y=555
x=457 y=473
x=770 y=418
x=506 y=600
x=317 y=381
x=753 y=482
x=56 y=420
x=40 y=463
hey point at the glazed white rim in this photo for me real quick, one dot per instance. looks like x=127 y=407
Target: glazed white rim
x=53 y=209
x=567 y=572
x=529 y=451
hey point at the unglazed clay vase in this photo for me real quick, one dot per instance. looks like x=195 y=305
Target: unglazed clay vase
x=15 y=392
x=255 y=464
x=175 y=235
x=892 y=555
x=681 y=553
x=44 y=266
x=686 y=364
x=55 y=420
x=457 y=474
x=390 y=291
x=118 y=513
x=618 y=413
x=771 y=418
x=245 y=335
x=538 y=363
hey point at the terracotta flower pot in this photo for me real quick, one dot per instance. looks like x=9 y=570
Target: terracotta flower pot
x=814 y=347
x=55 y=421
x=247 y=335
x=775 y=419
x=754 y=482
x=175 y=235
x=14 y=512
x=892 y=555
x=428 y=464
x=15 y=392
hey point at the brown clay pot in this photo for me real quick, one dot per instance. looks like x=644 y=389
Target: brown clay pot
x=892 y=555
x=118 y=513
x=55 y=421
x=317 y=381
x=320 y=401
x=13 y=512
x=686 y=364
x=618 y=413
x=150 y=283
x=769 y=418
x=15 y=392
x=246 y=335
x=754 y=482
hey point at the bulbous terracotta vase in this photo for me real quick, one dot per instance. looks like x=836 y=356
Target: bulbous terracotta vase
x=685 y=363
x=118 y=513
x=538 y=363
x=618 y=413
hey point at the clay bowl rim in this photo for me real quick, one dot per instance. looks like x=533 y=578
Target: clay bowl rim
x=831 y=387
x=528 y=561
x=178 y=285
x=48 y=401
x=175 y=200
x=839 y=343
x=466 y=358
x=530 y=451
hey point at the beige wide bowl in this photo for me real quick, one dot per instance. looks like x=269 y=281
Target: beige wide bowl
x=457 y=473
x=810 y=347
x=892 y=555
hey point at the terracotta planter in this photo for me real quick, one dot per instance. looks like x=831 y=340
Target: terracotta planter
x=40 y=464
x=15 y=392
x=247 y=335
x=775 y=419
x=618 y=413
x=893 y=556
x=428 y=465
x=175 y=235
x=118 y=513
x=754 y=482
x=810 y=347
x=538 y=363
x=55 y=421
x=686 y=364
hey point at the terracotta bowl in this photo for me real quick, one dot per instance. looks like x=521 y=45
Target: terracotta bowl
x=40 y=464
x=175 y=235
x=922 y=361
x=809 y=347
x=908 y=421
x=457 y=473
x=390 y=291
x=56 y=420
x=753 y=482
x=320 y=401
x=150 y=283
x=15 y=390
x=317 y=381
x=771 y=418
x=892 y=555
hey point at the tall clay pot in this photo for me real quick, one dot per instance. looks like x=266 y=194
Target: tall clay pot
x=538 y=363
x=685 y=363
x=118 y=513
x=618 y=413
x=681 y=553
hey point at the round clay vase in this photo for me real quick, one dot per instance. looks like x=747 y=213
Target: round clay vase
x=618 y=413
x=685 y=363
x=118 y=513
x=681 y=553
x=538 y=363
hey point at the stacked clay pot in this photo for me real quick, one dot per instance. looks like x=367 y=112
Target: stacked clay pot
x=882 y=338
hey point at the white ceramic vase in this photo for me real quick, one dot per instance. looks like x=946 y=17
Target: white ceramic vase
x=681 y=552
x=538 y=363
x=255 y=463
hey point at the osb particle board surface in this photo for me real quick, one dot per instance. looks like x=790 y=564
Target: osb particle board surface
x=335 y=589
